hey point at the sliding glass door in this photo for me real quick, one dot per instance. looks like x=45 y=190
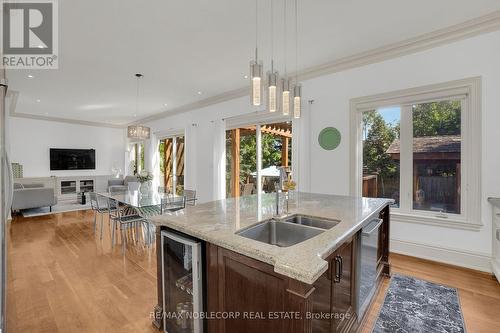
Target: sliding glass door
x=276 y=146
x=244 y=144
x=172 y=164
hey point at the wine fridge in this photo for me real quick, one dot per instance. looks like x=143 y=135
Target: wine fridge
x=182 y=283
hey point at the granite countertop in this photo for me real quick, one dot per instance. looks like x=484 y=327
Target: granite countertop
x=216 y=222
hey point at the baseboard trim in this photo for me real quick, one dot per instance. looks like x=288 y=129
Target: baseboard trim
x=456 y=257
x=495 y=267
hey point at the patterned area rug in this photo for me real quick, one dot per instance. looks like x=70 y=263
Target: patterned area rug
x=413 y=305
x=59 y=208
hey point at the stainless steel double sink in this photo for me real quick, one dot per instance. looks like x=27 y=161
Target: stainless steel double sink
x=289 y=230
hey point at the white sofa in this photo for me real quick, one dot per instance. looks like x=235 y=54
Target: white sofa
x=33 y=196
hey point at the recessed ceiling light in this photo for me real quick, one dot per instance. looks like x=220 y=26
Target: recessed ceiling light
x=245 y=77
x=30 y=76
x=38 y=101
x=199 y=93
x=165 y=104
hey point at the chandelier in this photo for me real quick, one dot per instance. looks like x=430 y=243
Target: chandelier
x=138 y=132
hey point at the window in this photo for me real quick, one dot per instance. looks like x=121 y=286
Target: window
x=437 y=156
x=137 y=162
x=172 y=164
x=381 y=170
x=421 y=147
x=242 y=158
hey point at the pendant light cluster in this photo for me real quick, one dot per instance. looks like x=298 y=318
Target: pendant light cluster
x=282 y=94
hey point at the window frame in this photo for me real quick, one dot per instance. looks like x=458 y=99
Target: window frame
x=468 y=91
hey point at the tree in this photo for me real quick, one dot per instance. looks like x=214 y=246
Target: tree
x=379 y=135
x=271 y=154
x=437 y=118
x=248 y=156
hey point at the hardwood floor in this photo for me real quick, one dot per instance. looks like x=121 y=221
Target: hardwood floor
x=63 y=279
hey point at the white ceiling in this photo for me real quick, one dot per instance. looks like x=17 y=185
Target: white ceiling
x=190 y=46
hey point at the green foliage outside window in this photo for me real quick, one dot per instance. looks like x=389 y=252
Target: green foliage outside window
x=438 y=118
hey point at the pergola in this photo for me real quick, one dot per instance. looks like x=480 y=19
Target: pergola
x=283 y=130
x=170 y=157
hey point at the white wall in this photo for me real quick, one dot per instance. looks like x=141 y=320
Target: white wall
x=31 y=139
x=198 y=127
x=469 y=58
x=478 y=56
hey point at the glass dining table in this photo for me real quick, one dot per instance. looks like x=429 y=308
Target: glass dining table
x=149 y=204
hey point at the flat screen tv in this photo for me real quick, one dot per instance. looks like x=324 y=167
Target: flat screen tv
x=72 y=159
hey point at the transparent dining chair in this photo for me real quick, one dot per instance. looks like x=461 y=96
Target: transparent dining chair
x=172 y=203
x=190 y=197
x=118 y=218
x=99 y=205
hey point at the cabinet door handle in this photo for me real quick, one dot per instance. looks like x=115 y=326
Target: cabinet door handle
x=338 y=269
x=341 y=266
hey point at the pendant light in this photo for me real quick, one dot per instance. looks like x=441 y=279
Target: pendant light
x=272 y=75
x=285 y=82
x=138 y=132
x=285 y=94
x=297 y=89
x=272 y=87
x=256 y=67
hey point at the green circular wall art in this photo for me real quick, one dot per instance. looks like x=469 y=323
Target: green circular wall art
x=329 y=138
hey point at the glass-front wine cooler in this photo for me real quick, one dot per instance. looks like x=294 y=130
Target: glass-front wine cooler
x=182 y=283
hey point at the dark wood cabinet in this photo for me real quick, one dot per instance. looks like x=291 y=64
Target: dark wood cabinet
x=251 y=290
x=343 y=283
x=383 y=245
x=334 y=292
x=261 y=300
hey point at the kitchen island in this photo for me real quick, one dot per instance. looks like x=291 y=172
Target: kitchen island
x=321 y=284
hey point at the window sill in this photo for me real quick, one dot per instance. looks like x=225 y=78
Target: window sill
x=435 y=221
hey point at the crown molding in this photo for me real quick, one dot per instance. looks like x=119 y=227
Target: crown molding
x=224 y=97
x=67 y=121
x=467 y=29
x=461 y=31
x=14 y=96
